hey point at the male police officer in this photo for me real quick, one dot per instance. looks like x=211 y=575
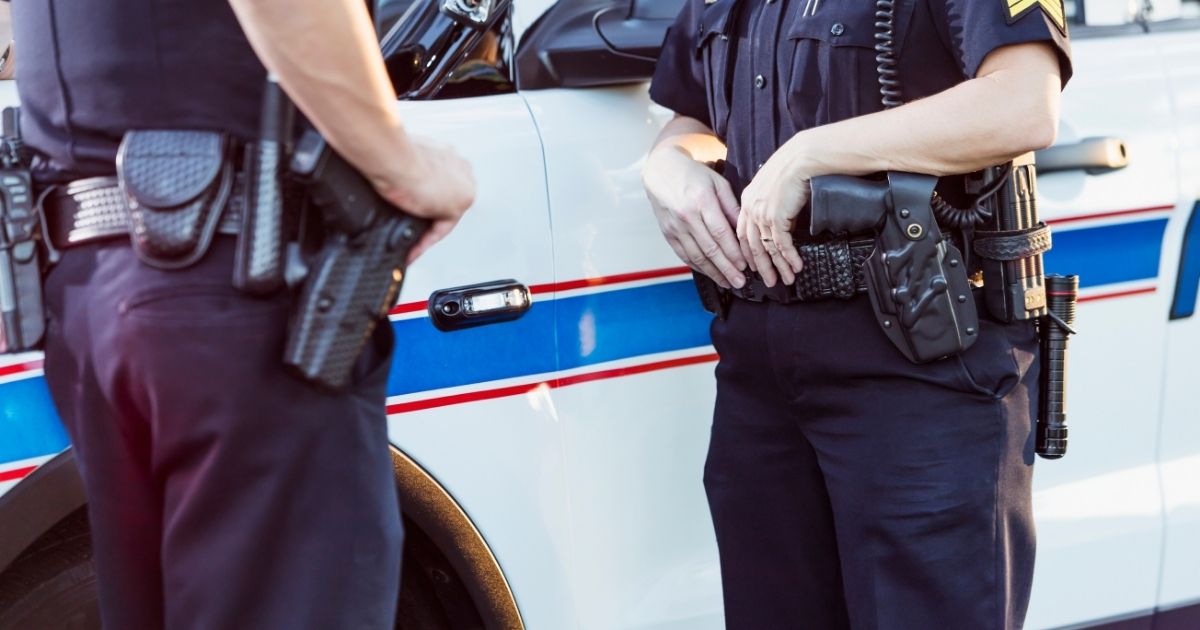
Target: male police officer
x=850 y=487
x=223 y=492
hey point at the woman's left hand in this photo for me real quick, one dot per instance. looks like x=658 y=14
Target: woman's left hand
x=769 y=208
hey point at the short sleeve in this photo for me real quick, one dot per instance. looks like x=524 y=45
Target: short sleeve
x=978 y=27
x=678 y=82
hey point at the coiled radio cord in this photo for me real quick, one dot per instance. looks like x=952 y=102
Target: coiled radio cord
x=891 y=96
x=885 y=57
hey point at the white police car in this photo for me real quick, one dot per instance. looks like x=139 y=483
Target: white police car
x=550 y=465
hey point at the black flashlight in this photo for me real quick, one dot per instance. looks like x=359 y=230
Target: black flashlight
x=1061 y=295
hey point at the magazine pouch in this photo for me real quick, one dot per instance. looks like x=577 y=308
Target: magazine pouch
x=176 y=184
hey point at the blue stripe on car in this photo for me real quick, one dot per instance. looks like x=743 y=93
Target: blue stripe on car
x=29 y=427
x=1187 y=283
x=589 y=329
x=1109 y=254
x=595 y=328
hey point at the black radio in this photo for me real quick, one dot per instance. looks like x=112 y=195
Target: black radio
x=22 y=313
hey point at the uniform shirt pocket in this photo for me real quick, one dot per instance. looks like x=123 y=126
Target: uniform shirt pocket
x=833 y=60
x=715 y=45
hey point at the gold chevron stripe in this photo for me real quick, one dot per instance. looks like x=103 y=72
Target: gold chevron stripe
x=1052 y=8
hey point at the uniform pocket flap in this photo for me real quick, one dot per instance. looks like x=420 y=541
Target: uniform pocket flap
x=836 y=28
x=715 y=21
x=169 y=169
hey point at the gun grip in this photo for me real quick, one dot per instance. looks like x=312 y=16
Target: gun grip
x=845 y=204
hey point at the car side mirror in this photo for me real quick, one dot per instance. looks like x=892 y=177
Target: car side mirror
x=595 y=43
x=475 y=13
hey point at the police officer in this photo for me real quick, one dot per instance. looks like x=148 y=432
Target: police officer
x=222 y=491
x=849 y=487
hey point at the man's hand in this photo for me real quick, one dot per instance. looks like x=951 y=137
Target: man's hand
x=696 y=210
x=435 y=183
x=325 y=56
x=769 y=208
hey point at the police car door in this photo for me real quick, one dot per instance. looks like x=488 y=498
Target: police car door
x=463 y=396
x=1175 y=30
x=635 y=390
x=1110 y=189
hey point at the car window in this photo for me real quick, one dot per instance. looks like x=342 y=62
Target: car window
x=388 y=12
x=1104 y=18
x=417 y=36
x=1072 y=10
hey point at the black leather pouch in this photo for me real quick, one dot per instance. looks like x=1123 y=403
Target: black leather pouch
x=176 y=184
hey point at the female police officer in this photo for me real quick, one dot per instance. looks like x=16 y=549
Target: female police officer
x=848 y=486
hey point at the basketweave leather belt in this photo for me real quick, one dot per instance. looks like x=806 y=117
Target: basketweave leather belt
x=94 y=209
x=832 y=269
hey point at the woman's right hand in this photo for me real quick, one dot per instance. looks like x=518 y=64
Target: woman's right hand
x=696 y=211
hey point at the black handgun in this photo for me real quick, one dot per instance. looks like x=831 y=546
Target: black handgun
x=916 y=279
x=356 y=276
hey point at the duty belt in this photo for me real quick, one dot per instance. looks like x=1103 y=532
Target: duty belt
x=94 y=209
x=832 y=269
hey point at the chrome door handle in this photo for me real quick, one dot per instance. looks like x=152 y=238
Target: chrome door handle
x=478 y=304
x=1095 y=156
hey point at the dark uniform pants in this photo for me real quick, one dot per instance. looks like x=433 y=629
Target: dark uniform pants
x=222 y=492
x=852 y=489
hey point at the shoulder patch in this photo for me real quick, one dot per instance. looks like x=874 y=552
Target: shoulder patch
x=1053 y=9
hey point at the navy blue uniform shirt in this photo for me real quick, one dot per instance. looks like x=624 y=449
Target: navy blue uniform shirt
x=759 y=71
x=89 y=70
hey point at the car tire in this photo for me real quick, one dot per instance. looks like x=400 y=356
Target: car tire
x=53 y=585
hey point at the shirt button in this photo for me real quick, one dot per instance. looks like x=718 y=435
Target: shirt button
x=760 y=82
x=758 y=167
x=837 y=28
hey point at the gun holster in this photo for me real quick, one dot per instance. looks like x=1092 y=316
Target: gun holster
x=916 y=279
x=356 y=275
x=176 y=184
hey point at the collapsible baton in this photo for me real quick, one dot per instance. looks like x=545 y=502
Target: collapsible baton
x=259 y=264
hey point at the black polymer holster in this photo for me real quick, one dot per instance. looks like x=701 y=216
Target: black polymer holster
x=916 y=278
x=355 y=276
x=920 y=283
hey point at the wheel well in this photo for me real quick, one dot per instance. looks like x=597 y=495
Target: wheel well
x=437 y=515
x=457 y=565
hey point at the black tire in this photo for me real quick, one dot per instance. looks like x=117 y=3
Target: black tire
x=53 y=584
x=432 y=596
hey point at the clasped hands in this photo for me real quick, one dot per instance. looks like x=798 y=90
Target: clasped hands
x=703 y=222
